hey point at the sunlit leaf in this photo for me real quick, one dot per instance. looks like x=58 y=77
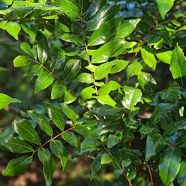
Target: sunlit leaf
x=58 y=90
x=21 y=61
x=13 y=28
x=68 y=112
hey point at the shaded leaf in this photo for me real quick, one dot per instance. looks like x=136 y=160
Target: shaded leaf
x=71 y=138
x=68 y=112
x=46 y=158
x=112 y=141
x=17 y=166
x=5 y=100
x=26 y=131
x=60 y=151
x=27 y=49
x=169 y=165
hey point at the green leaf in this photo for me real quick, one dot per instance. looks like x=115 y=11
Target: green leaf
x=71 y=138
x=21 y=61
x=13 y=28
x=95 y=165
x=119 y=66
x=31 y=29
x=127 y=28
x=110 y=49
x=46 y=158
x=42 y=121
x=27 y=49
x=178 y=65
x=104 y=33
x=43 y=81
x=105 y=100
x=164 y=6
x=106 y=158
x=103 y=70
x=71 y=69
x=85 y=78
x=87 y=92
x=149 y=58
x=68 y=112
x=112 y=141
x=146 y=81
x=132 y=97
x=169 y=165
x=15 y=145
x=69 y=8
x=17 y=166
x=58 y=90
x=43 y=50
x=154 y=144
x=134 y=68
x=165 y=56
x=60 y=151
x=26 y=131
x=5 y=100
x=69 y=97
x=181 y=174
x=55 y=114
x=3 y=25
x=106 y=89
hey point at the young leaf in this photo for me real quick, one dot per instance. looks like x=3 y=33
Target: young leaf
x=46 y=158
x=6 y=100
x=181 y=174
x=164 y=6
x=127 y=28
x=43 y=81
x=105 y=100
x=58 y=90
x=178 y=65
x=165 y=56
x=132 y=97
x=60 y=151
x=68 y=112
x=71 y=138
x=55 y=114
x=154 y=144
x=87 y=92
x=17 y=166
x=169 y=165
x=13 y=28
x=103 y=70
x=71 y=69
x=15 y=145
x=21 y=61
x=106 y=158
x=25 y=130
x=43 y=50
x=42 y=121
x=149 y=58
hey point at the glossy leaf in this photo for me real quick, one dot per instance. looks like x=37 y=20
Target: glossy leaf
x=16 y=145
x=69 y=97
x=46 y=158
x=5 y=100
x=60 y=151
x=127 y=28
x=27 y=49
x=43 y=81
x=71 y=138
x=85 y=78
x=31 y=29
x=134 y=68
x=169 y=165
x=13 y=28
x=71 y=69
x=119 y=66
x=132 y=97
x=104 y=33
x=106 y=158
x=178 y=65
x=43 y=50
x=87 y=92
x=149 y=58
x=68 y=112
x=21 y=61
x=164 y=6
x=103 y=70
x=17 y=166
x=42 y=121
x=55 y=114
x=58 y=90
x=26 y=131
x=154 y=144
x=105 y=100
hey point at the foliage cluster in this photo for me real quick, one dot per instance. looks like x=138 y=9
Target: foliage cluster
x=101 y=61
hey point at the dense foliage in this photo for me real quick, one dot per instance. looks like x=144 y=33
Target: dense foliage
x=102 y=66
